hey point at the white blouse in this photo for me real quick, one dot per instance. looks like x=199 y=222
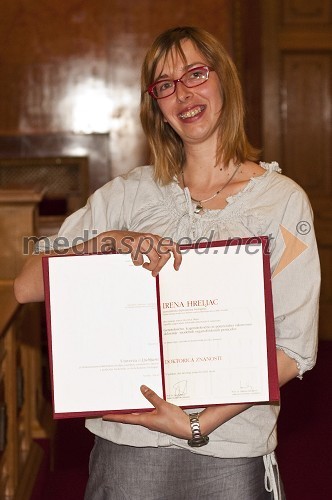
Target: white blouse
x=135 y=202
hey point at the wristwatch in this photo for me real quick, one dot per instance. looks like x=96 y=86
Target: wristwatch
x=197 y=439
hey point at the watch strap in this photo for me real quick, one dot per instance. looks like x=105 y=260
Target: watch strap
x=197 y=440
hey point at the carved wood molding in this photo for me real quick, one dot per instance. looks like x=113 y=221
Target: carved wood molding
x=306 y=12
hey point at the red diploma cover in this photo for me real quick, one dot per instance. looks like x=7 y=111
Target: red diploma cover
x=200 y=336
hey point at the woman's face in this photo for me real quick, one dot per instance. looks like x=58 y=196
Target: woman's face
x=192 y=112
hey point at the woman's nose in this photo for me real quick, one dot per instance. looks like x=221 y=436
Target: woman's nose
x=182 y=92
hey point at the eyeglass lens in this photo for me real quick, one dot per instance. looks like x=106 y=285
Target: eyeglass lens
x=192 y=78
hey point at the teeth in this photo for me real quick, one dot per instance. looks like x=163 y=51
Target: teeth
x=191 y=113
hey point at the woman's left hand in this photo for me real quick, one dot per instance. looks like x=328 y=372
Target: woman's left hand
x=166 y=417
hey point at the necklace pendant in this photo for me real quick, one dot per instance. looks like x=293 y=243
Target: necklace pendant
x=198 y=209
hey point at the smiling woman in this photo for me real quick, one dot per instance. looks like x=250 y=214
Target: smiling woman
x=172 y=54
x=204 y=182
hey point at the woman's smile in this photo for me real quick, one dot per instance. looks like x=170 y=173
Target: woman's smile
x=192 y=112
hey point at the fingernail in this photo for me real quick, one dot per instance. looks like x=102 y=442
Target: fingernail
x=144 y=388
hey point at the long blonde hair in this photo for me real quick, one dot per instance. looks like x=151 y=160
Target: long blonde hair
x=168 y=155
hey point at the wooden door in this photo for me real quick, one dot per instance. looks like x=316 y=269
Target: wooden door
x=297 y=109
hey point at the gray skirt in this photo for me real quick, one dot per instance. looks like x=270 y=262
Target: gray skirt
x=119 y=472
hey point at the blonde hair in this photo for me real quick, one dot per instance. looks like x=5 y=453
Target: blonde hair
x=168 y=155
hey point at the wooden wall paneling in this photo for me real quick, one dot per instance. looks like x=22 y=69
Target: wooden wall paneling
x=3 y=420
x=306 y=119
x=270 y=77
x=302 y=11
x=18 y=216
x=23 y=390
x=247 y=25
x=72 y=68
x=21 y=456
x=297 y=111
x=131 y=29
x=12 y=462
x=49 y=48
x=17 y=220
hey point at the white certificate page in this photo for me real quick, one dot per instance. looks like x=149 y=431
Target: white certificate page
x=214 y=328
x=104 y=334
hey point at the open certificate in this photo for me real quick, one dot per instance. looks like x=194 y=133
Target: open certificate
x=200 y=336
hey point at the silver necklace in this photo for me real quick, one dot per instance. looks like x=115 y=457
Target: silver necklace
x=198 y=209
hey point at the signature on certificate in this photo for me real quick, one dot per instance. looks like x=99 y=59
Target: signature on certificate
x=180 y=389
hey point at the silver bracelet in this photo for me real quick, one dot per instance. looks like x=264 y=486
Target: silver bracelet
x=197 y=440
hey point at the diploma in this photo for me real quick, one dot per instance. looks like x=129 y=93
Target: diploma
x=199 y=336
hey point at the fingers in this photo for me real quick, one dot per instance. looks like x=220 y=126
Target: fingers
x=148 y=250
x=177 y=256
x=163 y=250
x=146 y=245
x=158 y=261
x=169 y=248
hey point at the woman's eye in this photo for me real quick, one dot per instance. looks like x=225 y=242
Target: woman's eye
x=164 y=86
x=196 y=74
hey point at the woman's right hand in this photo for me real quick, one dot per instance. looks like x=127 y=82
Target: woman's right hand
x=147 y=250
x=29 y=285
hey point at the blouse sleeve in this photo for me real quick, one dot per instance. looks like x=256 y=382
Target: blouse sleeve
x=296 y=283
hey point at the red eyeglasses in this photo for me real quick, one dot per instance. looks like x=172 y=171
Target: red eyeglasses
x=192 y=78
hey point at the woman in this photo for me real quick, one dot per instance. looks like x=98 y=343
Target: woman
x=205 y=181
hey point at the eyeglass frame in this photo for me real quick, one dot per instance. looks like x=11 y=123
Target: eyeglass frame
x=178 y=80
